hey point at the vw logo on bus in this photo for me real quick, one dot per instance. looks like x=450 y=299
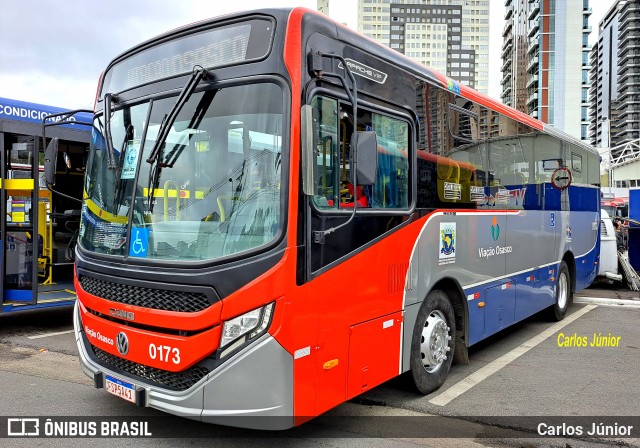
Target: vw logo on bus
x=122 y=343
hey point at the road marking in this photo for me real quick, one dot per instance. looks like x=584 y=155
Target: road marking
x=46 y=335
x=608 y=302
x=494 y=366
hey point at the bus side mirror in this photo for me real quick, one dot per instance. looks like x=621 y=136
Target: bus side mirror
x=308 y=150
x=50 y=161
x=366 y=158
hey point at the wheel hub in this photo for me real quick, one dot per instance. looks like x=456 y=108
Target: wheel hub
x=563 y=290
x=434 y=344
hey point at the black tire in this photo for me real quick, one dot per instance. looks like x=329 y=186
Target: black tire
x=435 y=309
x=564 y=293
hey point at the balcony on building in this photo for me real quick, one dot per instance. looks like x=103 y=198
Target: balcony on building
x=506 y=49
x=626 y=55
x=630 y=112
x=507 y=41
x=507 y=63
x=507 y=28
x=629 y=16
x=630 y=65
x=631 y=99
x=532 y=97
x=505 y=79
x=509 y=12
x=625 y=75
x=533 y=45
x=631 y=30
x=532 y=80
x=629 y=8
x=507 y=2
x=533 y=63
x=630 y=94
x=587 y=11
x=628 y=46
x=534 y=30
x=535 y=9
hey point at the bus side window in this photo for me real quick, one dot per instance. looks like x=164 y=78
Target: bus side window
x=334 y=188
x=327 y=140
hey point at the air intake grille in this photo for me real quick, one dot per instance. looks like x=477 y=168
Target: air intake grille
x=603 y=229
x=158 y=299
x=171 y=380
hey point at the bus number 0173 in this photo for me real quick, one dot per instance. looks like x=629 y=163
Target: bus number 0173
x=162 y=352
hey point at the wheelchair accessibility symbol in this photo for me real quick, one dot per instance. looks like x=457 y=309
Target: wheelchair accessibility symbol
x=139 y=242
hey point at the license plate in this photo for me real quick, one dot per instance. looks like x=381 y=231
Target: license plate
x=120 y=388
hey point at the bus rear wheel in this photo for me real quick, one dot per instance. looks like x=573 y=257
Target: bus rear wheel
x=564 y=295
x=432 y=344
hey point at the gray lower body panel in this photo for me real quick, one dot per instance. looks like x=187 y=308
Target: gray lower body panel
x=253 y=389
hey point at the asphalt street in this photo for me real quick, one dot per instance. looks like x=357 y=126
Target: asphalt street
x=525 y=373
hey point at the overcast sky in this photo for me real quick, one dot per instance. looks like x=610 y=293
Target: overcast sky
x=52 y=52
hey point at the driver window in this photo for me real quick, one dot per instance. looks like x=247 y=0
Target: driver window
x=335 y=126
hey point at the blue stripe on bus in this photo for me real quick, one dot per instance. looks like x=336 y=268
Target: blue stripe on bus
x=513 y=298
x=581 y=198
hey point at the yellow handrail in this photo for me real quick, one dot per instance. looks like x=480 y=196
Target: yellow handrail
x=174 y=185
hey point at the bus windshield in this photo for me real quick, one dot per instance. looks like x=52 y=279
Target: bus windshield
x=212 y=191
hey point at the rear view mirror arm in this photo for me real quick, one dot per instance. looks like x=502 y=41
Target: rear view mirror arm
x=316 y=71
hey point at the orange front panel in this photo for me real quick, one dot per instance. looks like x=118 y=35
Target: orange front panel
x=332 y=361
x=148 y=316
x=163 y=351
x=374 y=353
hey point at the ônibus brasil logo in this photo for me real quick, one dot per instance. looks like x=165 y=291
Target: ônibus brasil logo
x=495 y=229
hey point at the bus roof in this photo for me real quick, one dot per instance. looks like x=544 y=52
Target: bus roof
x=352 y=37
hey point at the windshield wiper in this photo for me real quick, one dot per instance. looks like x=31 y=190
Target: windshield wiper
x=108 y=98
x=198 y=74
x=153 y=181
x=155 y=156
x=117 y=194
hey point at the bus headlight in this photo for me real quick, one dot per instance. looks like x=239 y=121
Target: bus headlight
x=241 y=329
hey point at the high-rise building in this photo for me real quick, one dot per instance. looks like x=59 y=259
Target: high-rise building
x=545 y=61
x=615 y=77
x=451 y=36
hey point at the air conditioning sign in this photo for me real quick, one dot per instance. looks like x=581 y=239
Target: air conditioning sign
x=365 y=71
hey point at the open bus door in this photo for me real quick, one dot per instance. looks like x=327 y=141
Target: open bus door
x=38 y=228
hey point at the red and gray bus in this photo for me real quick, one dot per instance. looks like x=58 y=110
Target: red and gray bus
x=281 y=214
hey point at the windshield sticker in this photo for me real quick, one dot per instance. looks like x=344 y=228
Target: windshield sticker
x=477 y=194
x=139 y=242
x=447 y=243
x=503 y=196
x=130 y=160
x=452 y=191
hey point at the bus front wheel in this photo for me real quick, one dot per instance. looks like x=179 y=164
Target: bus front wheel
x=432 y=344
x=563 y=293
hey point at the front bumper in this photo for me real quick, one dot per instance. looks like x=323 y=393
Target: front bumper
x=252 y=389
